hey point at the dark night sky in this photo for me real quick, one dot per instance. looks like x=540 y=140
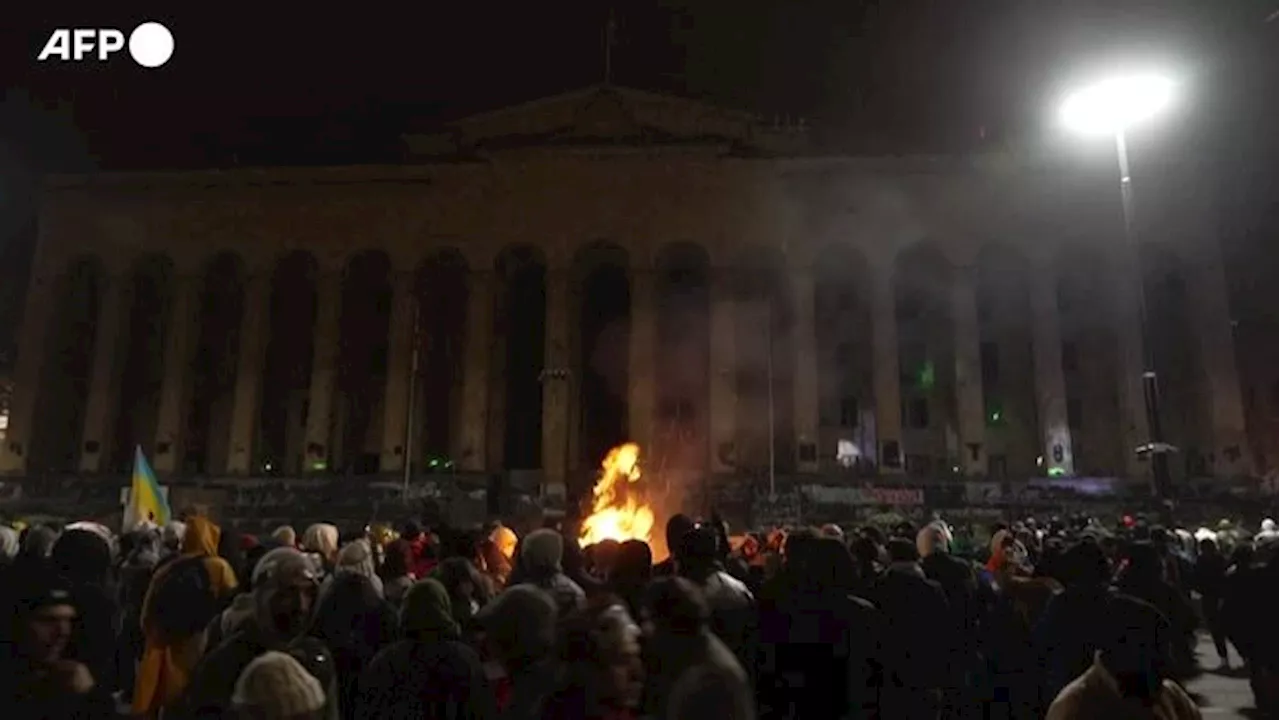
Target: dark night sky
x=337 y=82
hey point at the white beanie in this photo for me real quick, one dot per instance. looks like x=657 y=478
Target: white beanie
x=357 y=557
x=277 y=686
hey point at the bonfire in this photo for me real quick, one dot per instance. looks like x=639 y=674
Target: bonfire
x=618 y=511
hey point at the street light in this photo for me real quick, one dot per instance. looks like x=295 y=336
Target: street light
x=1112 y=107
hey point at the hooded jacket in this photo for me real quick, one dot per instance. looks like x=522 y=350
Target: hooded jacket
x=165 y=669
x=431 y=673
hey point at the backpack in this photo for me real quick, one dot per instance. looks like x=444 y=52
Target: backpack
x=184 y=603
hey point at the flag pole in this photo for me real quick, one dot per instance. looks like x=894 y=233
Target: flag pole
x=413 y=401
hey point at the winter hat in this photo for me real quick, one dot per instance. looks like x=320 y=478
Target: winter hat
x=356 y=557
x=542 y=551
x=521 y=622
x=39 y=589
x=427 y=609
x=277 y=686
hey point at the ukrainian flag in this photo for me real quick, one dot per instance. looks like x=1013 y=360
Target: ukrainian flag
x=146 y=502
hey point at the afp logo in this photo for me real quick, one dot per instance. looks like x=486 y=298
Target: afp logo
x=150 y=44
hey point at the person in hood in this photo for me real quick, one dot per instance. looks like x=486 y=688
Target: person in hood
x=540 y=556
x=356 y=558
x=520 y=632
x=431 y=673
x=167 y=662
x=321 y=541
x=691 y=673
x=284 y=594
x=354 y=623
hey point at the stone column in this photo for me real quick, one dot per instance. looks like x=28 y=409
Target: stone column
x=395 y=399
x=473 y=440
x=1050 y=384
x=724 y=371
x=1211 y=316
x=556 y=385
x=36 y=319
x=324 y=369
x=246 y=404
x=970 y=413
x=177 y=364
x=641 y=397
x=806 y=370
x=885 y=373
x=96 y=437
x=1129 y=355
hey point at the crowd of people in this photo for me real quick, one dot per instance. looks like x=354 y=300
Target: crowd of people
x=1064 y=618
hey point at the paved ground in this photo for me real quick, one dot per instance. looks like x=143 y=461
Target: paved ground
x=1221 y=694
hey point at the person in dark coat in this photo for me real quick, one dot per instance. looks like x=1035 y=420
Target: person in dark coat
x=1209 y=579
x=520 y=630
x=285 y=589
x=819 y=641
x=83 y=559
x=37 y=677
x=917 y=635
x=354 y=623
x=1068 y=634
x=691 y=673
x=430 y=674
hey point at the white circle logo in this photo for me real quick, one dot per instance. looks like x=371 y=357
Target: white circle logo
x=151 y=44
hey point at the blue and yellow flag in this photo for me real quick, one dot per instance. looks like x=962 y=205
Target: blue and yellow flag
x=147 y=503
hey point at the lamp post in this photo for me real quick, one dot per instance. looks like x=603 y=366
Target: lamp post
x=1112 y=107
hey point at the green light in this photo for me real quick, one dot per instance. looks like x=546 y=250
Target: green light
x=1057 y=472
x=925 y=378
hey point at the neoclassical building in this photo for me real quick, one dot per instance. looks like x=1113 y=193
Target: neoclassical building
x=537 y=283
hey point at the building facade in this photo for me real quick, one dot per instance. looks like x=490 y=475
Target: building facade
x=543 y=281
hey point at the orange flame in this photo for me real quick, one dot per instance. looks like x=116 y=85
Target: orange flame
x=616 y=514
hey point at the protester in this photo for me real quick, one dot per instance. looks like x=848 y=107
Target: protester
x=37 y=678
x=284 y=589
x=430 y=674
x=184 y=596
x=1126 y=679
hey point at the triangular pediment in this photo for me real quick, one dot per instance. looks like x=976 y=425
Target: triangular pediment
x=598 y=115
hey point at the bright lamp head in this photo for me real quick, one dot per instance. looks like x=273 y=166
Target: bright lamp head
x=1112 y=105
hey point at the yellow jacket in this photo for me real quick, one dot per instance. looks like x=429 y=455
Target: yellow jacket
x=165 y=669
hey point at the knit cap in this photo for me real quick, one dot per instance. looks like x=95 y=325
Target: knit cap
x=274 y=685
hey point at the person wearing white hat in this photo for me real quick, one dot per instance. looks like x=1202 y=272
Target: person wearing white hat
x=274 y=686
